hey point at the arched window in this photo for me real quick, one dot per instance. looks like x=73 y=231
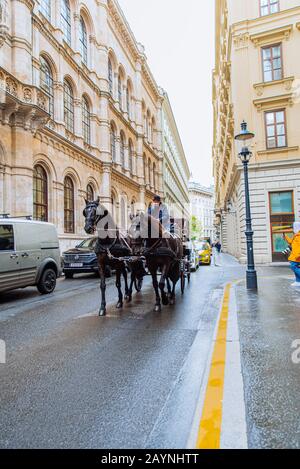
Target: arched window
x=65 y=20
x=130 y=156
x=45 y=8
x=123 y=214
x=40 y=194
x=90 y=193
x=149 y=172
x=68 y=106
x=86 y=121
x=46 y=83
x=122 y=150
x=120 y=90
x=113 y=143
x=154 y=176
x=83 y=41
x=68 y=205
x=110 y=77
x=128 y=100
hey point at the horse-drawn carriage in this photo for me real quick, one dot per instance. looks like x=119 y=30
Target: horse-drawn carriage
x=146 y=245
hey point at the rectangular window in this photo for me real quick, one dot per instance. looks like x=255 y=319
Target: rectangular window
x=281 y=202
x=45 y=9
x=268 y=7
x=6 y=238
x=276 y=129
x=272 y=62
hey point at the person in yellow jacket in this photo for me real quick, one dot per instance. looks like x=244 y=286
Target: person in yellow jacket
x=294 y=258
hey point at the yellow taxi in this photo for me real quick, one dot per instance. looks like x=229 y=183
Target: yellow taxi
x=204 y=252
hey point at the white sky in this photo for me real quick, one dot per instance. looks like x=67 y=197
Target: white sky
x=179 y=41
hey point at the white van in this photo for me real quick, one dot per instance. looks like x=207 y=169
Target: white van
x=29 y=255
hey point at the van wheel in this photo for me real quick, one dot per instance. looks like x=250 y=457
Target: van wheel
x=47 y=282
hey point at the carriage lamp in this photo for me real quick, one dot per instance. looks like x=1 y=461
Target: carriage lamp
x=243 y=140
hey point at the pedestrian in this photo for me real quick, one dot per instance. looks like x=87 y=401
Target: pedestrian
x=218 y=246
x=160 y=212
x=294 y=258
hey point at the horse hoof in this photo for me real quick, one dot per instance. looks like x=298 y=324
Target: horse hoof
x=165 y=301
x=102 y=312
x=119 y=306
x=129 y=299
x=126 y=297
x=157 y=308
x=172 y=302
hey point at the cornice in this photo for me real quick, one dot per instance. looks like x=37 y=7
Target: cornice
x=286 y=82
x=60 y=143
x=272 y=102
x=276 y=34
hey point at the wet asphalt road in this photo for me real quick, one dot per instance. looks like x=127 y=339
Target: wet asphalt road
x=74 y=380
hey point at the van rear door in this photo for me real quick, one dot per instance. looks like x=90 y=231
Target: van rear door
x=9 y=259
x=29 y=252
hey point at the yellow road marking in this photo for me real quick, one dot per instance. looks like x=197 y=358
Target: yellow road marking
x=209 y=435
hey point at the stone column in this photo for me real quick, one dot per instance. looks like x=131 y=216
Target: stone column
x=2 y=172
x=59 y=209
x=22 y=41
x=76 y=43
x=78 y=118
x=59 y=102
x=106 y=185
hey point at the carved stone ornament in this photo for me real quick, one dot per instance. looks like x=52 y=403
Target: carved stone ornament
x=3 y=21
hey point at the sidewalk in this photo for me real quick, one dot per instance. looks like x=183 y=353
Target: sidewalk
x=269 y=325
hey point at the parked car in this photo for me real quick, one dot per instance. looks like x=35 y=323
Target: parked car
x=81 y=259
x=194 y=257
x=205 y=252
x=29 y=255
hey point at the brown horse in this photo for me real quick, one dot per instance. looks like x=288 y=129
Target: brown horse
x=163 y=252
x=110 y=246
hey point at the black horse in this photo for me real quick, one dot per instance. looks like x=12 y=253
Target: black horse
x=162 y=250
x=110 y=246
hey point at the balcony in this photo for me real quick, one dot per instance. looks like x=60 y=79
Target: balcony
x=23 y=105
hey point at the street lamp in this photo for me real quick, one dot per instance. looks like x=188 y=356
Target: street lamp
x=245 y=154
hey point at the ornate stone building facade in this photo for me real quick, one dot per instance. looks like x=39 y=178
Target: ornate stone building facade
x=202 y=206
x=256 y=79
x=175 y=169
x=80 y=113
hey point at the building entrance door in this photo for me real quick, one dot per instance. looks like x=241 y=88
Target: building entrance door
x=282 y=217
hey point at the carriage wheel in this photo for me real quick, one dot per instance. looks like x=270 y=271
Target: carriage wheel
x=138 y=283
x=182 y=281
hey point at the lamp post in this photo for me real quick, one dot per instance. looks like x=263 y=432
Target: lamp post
x=245 y=154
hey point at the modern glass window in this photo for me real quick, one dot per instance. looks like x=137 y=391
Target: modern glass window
x=90 y=193
x=7 y=238
x=282 y=217
x=281 y=202
x=113 y=143
x=45 y=8
x=68 y=205
x=110 y=77
x=83 y=41
x=68 y=107
x=86 y=121
x=276 y=129
x=122 y=150
x=46 y=83
x=65 y=20
x=267 y=7
x=272 y=62
x=40 y=194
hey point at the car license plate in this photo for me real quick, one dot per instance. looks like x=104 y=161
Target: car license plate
x=76 y=265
